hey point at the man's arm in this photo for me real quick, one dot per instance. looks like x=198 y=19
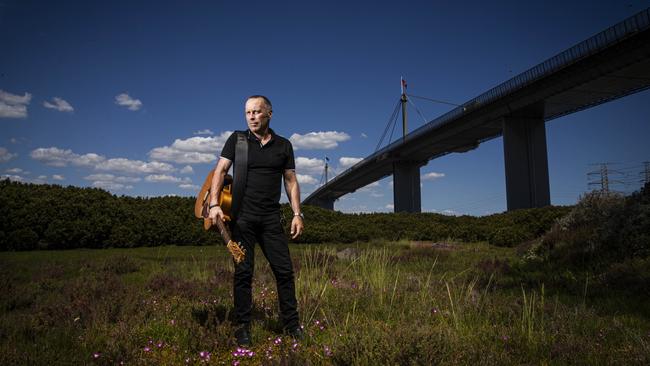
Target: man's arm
x=217 y=183
x=293 y=192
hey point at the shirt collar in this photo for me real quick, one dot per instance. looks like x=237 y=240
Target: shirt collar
x=252 y=137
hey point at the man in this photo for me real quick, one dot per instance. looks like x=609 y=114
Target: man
x=270 y=158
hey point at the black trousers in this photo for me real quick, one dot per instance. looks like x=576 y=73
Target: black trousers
x=268 y=232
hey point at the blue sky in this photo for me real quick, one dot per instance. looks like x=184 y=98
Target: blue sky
x=138 y=98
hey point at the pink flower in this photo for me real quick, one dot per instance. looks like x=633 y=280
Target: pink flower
x=147 y=349
x=327 y=351
x=96 y=355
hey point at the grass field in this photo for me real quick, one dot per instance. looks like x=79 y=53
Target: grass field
x=378 y=303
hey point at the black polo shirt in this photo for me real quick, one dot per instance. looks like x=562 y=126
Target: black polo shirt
x=266 y=166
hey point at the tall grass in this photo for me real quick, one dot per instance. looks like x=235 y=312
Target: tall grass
x=381 y=304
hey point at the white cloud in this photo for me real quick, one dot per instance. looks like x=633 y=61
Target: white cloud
x=112 y=178
x=127 y=179
x=432 y=176
x=89 y=159
x=187 y=170
x=111 y=186
x=58 y=177
x=390 y=206
x=59 y=104
x=134 y=166
x=5 y=155
x=194 y=150
x=15 y=171
x=125 y=100
x=12 y=105
x=364 y=135
x=54 y=156
x=191 y=187
x=318 y=140
x=309 y=165
x=306 y=179
x=167 y=153
x=104 y=177
x=162 y=178
x=204 y=132
x=346 y=162
x=13 y=178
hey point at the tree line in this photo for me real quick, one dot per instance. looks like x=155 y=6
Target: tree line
x=56 y=217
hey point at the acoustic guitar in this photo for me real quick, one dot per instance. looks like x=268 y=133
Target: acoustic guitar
x=202 y=211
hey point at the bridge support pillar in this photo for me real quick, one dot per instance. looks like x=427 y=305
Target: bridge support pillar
x=326 y=203
x=526 y=162
x=406 y=186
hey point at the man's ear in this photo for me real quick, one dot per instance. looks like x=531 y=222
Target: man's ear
x=270 y=114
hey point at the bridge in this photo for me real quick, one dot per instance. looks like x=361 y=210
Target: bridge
x=610 y=65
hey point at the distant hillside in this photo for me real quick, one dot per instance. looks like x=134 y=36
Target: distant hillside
x=56 y=217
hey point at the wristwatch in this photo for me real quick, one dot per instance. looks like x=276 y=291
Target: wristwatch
x=302 y=216
x=210 y=207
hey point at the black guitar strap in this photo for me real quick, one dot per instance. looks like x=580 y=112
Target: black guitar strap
x=239 y=172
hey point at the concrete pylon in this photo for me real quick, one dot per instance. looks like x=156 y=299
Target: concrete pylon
x=406 y=186
x=526 y=161
x=326 y=203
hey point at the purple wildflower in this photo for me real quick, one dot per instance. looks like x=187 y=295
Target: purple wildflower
x=327 y=351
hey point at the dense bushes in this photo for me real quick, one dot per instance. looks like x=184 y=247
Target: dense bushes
x=605 y=237
x=505 y=229
x=55 y=217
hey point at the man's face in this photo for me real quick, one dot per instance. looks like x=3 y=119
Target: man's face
x=258 y=115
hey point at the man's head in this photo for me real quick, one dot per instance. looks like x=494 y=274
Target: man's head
x=258 y=113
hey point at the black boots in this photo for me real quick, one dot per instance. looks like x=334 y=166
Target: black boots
x=243 y=335
x=297 y=334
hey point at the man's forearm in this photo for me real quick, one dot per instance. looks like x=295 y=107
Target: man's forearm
x=217 y=184
x=294 y=197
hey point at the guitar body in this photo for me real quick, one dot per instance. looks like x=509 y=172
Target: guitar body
x=202 y=203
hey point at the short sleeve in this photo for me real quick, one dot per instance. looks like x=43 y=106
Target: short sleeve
x=290 y=163
x=228 y=150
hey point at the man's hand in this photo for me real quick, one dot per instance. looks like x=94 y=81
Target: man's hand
x=296 y=227
x=216 y=212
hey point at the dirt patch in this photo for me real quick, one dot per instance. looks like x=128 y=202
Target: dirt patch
x=440 y=245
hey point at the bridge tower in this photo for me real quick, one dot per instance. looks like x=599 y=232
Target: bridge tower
x=525 y=158
x=406 y=174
